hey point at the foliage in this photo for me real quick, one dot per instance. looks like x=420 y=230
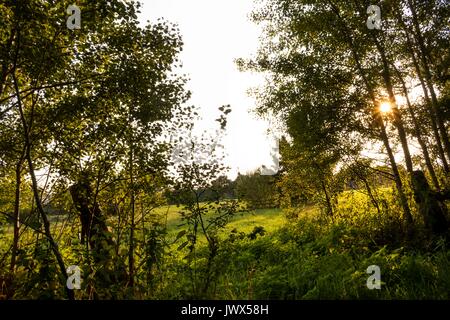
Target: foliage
x=258 y=191
x=143 y=206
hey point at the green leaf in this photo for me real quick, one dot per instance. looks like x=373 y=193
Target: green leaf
x=184 y=244
x=180 y=234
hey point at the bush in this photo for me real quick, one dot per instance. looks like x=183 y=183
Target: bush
x=258 y=191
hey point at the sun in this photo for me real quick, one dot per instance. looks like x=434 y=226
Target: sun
x=385 y=107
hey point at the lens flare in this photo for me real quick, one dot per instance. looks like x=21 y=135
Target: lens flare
x=385 y=107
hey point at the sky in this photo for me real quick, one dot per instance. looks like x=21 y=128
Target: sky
x=215 y=33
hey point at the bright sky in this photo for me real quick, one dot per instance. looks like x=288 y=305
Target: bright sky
x=215 y=33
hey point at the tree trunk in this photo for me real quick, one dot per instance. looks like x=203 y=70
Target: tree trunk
x=398 y=122
x=327 y=199
x=424 y=57
x=34 y=184
x=380 y=124
x=428 y=102
x=383 y=134
x=368 y=188
x=371 y=196
x=16 y=216
x=93 y=224
x=397 y=178
x=132 y=226
x=418 y=133
x=433 y=212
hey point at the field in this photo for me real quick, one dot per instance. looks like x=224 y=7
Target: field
x=308 y=258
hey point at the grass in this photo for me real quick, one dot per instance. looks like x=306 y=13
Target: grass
x=308 y=257
x=270 y=219
x=312 y=257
